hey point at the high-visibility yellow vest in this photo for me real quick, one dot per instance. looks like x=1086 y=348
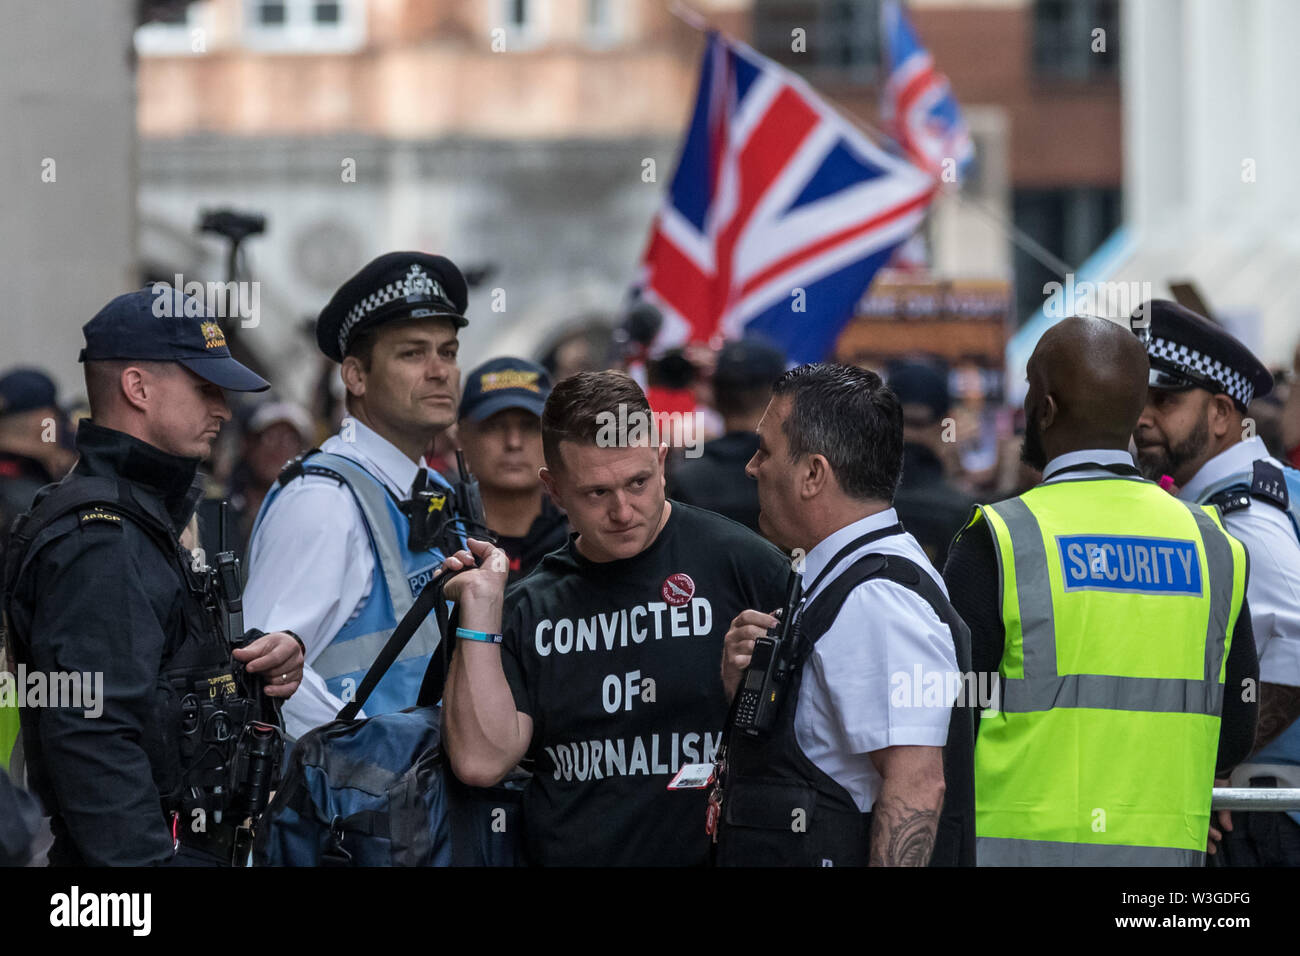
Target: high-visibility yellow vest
x=1119 y=603
x=9 y=726
x=8 y=731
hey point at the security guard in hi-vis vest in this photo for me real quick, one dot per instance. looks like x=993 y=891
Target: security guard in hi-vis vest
x=351 y=532
x=168 y=742
x=1115 y=617
x=1195 y=433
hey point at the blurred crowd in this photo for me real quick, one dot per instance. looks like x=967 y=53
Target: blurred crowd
x=962 y=441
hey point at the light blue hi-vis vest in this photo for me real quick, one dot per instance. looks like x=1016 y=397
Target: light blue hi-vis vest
x=1284 y=748
x=399 y=576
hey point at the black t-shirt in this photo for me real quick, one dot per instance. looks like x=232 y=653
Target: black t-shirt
x=619 y=666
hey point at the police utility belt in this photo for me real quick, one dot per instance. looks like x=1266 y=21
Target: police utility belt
x=219 y=750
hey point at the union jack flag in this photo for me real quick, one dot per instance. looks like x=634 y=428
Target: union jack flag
x=779 y=213
x=918 y=107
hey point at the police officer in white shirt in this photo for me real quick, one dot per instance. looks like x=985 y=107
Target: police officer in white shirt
x=1194 y=431
x=854 y=770
x=349 y=534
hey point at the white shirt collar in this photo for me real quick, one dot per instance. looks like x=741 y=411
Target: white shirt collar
x=828 y=547
x=384 y=459
x=1087 y=456
x=1233 y=460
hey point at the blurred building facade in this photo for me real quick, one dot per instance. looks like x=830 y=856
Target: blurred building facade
x=516 y=135
x=1212 y=125
x=67 y=196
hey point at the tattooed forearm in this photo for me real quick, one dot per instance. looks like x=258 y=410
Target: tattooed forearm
x=902 y=834
x=1279 y=705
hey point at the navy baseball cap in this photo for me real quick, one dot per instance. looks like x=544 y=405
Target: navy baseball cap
x=504 y=383
x=162 y=324
x=25 y=389
x=397 y=285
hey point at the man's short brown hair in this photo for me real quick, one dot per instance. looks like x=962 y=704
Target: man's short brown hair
x=579 y=406
x=104 y=380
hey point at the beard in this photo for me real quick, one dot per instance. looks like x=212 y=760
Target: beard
x=1155 y=461
x=1031 y=449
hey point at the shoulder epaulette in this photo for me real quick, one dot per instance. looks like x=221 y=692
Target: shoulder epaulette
x=300 y=466
x=1230 y=499
x=1269 y=484
x=98 y=513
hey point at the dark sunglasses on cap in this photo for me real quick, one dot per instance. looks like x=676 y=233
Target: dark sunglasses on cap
x=1180 y=381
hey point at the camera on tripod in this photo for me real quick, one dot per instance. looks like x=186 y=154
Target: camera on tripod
x=235 y=226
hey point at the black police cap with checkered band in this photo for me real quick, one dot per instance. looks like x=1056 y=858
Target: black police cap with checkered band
x=397 y=285
x=1187 y=350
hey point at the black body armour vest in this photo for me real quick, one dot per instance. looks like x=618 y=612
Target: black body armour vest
x=781 y=809
x=200 y=753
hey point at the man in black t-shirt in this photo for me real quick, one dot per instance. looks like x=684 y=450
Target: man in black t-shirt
x=608 y=673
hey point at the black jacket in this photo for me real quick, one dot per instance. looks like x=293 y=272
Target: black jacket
x=98 y=596
x=931 y=509
x=548 y=532
x=717 y=481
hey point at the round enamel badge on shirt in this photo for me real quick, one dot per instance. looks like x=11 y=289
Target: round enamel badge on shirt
x=678 y=589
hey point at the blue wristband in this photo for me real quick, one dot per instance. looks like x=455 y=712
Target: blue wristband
x=481 y=636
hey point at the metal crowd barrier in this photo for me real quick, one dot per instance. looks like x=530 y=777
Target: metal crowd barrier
x=1255 y=798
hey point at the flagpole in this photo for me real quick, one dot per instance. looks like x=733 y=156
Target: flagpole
x=689 y=15
x=1022 y=240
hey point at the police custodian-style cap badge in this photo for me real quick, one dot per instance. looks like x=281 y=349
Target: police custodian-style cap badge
x=1187 y=350
x=163 y=324
x=397 y=285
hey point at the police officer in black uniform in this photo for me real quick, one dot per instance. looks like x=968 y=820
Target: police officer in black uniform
x=187 y=743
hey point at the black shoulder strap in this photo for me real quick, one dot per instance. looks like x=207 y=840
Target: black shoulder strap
x=1230 y=499
x=296 y=467
x=75 y=493
x=429 y=600
x=1267 y=483
x=820 y=614
x=955 y=837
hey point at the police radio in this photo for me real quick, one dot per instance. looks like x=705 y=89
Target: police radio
x=436 y=517
x=766 y=679
x=469 y=500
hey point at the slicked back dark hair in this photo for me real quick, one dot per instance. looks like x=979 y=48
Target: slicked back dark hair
x=850 y=416
x=577 y=406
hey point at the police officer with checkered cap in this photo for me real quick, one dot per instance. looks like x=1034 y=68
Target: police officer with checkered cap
x=349 y=533
x=1195 y=432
